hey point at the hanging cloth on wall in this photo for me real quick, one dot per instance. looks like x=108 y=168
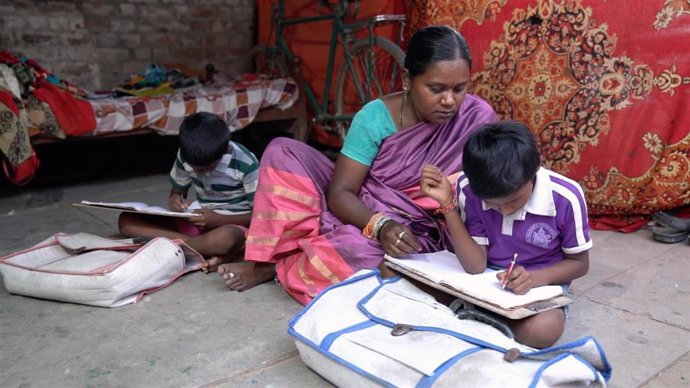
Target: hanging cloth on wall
x=19 y=161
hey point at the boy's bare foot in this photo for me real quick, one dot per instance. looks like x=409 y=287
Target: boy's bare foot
x=245 y=275
x=214 y=262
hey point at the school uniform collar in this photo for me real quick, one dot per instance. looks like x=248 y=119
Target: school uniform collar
x=540 y=201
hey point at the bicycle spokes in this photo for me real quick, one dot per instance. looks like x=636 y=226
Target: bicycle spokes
x=374 y=73
x=370 y=69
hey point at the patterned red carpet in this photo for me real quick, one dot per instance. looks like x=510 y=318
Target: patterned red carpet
x=605 y=86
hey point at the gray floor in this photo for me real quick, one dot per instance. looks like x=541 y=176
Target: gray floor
x=635 y=301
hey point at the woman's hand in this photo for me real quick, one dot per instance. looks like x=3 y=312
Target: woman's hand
x=397 y=239
x=436 y=185
x=519 y=281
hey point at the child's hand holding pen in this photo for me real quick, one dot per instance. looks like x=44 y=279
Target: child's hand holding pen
x=506 y=278
x=177 y=202
x=183 y=203
x=516 y=278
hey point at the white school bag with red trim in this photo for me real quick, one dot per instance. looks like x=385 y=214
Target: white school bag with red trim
x=88 y=269
x=369 y=331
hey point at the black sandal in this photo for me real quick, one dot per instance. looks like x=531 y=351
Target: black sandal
x=669 y=234
x=671 y=221
x=466 y=310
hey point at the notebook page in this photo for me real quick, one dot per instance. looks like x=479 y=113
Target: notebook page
x=118 y=205
x=434 y=266
x=137 y=207
x=486 y=287
x=443 y=267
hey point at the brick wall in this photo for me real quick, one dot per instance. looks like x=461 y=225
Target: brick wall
x=97 y=44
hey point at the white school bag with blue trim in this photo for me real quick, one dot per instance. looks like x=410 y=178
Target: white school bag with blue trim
x=345 y=335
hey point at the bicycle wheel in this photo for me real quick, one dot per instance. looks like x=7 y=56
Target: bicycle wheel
x=267 y=60
x=376 y=71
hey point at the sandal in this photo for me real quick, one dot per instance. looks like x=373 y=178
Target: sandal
x=669 y=235
x=671 y=221
x=480 y=316
x=466 y=310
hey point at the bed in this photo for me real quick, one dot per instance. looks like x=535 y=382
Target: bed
x=239 y=103
x=51 y=110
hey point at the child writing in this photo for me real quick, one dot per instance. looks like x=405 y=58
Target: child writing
x=508 y=204
x=223 y=175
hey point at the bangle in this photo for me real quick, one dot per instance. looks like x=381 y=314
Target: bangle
x=448 y=208
x=379 y=225
x=368 y=230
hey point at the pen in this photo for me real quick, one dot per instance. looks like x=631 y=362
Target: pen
x=183 y=201
x=510 y=270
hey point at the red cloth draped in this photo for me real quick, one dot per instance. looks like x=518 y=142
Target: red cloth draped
x=605 y=90
x=75 y=116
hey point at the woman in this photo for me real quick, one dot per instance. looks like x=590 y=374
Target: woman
x=315 y=223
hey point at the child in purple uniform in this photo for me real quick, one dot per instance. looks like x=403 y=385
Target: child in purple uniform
x=508 y=204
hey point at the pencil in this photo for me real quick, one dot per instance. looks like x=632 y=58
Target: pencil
x=510 y=270
x=184 y=202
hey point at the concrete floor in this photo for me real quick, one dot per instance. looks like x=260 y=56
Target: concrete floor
x=635 y=301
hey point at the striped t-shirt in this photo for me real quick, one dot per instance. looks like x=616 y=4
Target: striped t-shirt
x=229 y=188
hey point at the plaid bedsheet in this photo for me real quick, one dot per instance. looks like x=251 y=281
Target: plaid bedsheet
x=238 y=102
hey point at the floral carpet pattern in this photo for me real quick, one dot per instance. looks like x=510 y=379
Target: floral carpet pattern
x=605 y=91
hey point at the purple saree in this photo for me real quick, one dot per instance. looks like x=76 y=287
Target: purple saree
x=312 y=249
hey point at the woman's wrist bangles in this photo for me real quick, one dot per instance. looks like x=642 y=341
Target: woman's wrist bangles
x=448 y=208
x=379 y=226
x=375 y=224
x=368 y=230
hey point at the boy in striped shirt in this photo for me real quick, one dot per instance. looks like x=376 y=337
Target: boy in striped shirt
x=223 y=174
x=509 y=204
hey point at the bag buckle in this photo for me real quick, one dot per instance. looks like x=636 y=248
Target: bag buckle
x=512 y=354
x=401 y=329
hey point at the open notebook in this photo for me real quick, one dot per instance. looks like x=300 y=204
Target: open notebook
x=443 y=268
x=139 y=207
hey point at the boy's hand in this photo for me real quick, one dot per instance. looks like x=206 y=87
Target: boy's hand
x=520 y=280
x=436 y=185
x=177 y=203
x=205 y=219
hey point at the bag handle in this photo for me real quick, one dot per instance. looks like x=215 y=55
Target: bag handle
x=76 y=243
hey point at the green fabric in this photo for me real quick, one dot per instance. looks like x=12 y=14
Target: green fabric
x=369 y=127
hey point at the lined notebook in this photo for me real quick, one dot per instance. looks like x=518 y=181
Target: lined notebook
x=138 y=207
x=445 y=269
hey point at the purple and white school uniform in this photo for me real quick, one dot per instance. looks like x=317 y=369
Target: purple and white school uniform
x=553 y=222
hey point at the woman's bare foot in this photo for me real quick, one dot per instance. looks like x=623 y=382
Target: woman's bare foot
x=245 y=275
x=214 y=262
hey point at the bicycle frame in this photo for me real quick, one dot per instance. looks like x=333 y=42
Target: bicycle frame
x=345 y=31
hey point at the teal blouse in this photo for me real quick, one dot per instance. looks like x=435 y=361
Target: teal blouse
x=369 y=127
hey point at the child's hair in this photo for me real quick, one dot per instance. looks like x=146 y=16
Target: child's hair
x=203 y=139
x=500 y=158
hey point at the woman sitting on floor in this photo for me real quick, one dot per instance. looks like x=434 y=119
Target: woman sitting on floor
x=315 y=223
